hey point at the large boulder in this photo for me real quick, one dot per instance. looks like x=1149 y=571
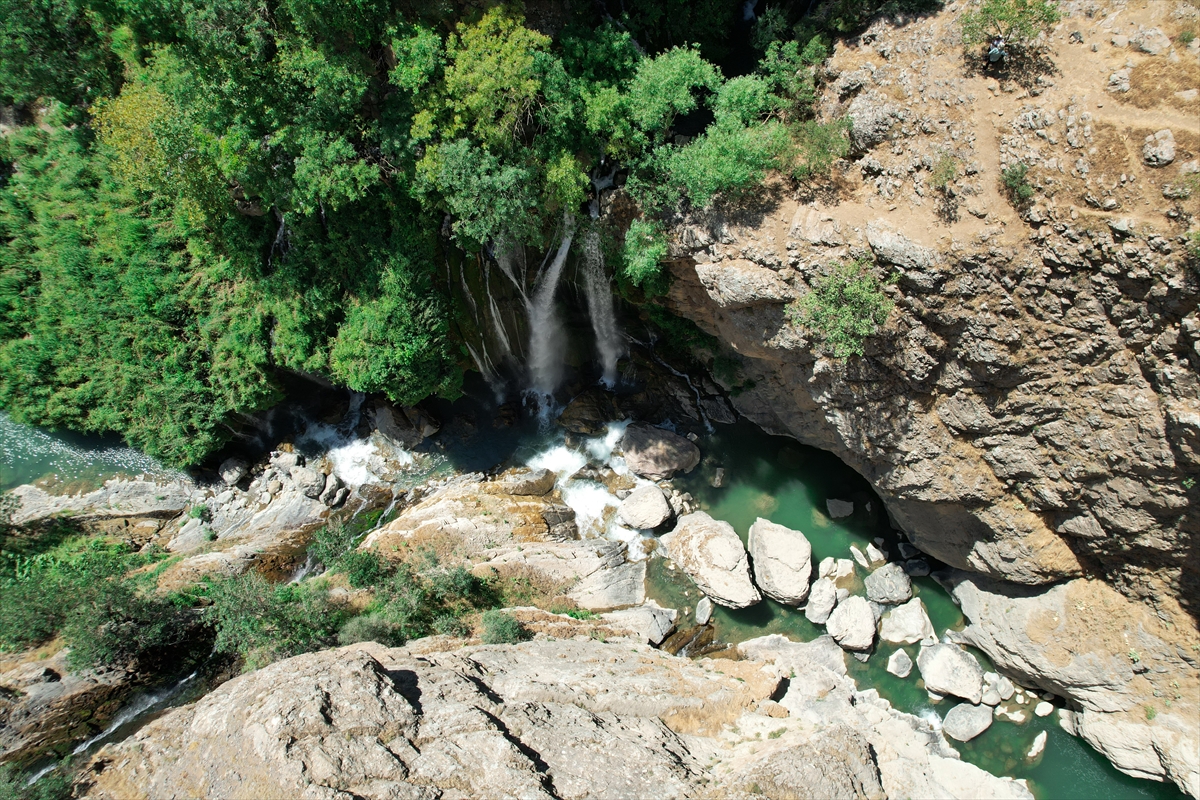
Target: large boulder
x=645 y=508
x=871 y=120
x=712 y=555
x=657 y=454
x=233 y=470
x=888 y=585
x=782 y=561
x=964 y=722
x=908 y=624
x=738 y=284
x=821 y=601
x=310 y=482
x=1159 y=148
x=948 y=669
x=852 y=624
x=525 y=482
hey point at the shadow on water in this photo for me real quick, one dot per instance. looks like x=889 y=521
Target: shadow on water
x=788 y=483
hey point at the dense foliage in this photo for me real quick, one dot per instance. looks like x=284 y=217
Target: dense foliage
x=87 y=590
x=844 y=308
x=1018 y=22
x=204 y=197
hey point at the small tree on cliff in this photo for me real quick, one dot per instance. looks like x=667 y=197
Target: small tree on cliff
x=1017 y=22
x=844 y=308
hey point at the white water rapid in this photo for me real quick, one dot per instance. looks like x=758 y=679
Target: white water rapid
x=609 y=343
x=547 y=339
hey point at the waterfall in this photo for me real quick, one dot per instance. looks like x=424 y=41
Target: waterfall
x=497 y=321
x=547 y=340
x=609 y=343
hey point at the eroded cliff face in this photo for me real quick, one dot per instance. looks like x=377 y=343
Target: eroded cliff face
x=1031 y=410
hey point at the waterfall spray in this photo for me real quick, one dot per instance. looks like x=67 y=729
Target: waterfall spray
x=547 y=340
x=609 y=343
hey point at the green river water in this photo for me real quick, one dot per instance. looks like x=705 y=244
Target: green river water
x=767 y=476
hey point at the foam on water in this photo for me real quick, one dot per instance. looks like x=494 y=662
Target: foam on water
x=560 y=459
x=589 y=500
x=601 y=447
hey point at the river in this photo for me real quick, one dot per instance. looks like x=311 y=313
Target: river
x=765 y=476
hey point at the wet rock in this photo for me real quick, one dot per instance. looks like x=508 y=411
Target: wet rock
x=839 y=508
x=860 y=557
x=718 y=478
x=329 y=494
x=852 y=625
x=657 y=454
x=949 y=670
x=964 y=722
x=1159 y=148
x=782 y=560
x=908 y=624
x=232 y=470
x=1039 y=744
x=821 y=600
x=713 y=556
x=589 y=413
x=704 y=609
x=888 y=585
x=899 y=664
x=916 y=567
x=645 y=508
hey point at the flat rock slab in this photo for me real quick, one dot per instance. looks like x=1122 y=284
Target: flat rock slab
x=888 y=585
x=645 y=508
x=650 y=620
x=908 y=624
x=852 y=624
x=712 y=555
x=964 y=722
x=657 y=454
x=782 y=561
x=949 y=670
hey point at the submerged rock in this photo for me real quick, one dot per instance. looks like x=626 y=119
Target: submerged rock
x=839 y=508
x=888 y=585
x=821 y=601
x=852 y=625
x=712 y=555
x=657 y=454
x=964 y=722
x=782 y=561
x=947 y=669
x=645 y=508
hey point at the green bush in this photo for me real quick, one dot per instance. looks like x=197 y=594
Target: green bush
x=502 y=628
x=363 y=568
x=944 y=172
x=1018 y=21
x=55 y=785
x=1016 y=187
x=817 y=146
x=641 y=262
x=82 y=588
x=200 y=512
x=844 y=308
x=370 y=628
x=727 y=159
x=262 y=623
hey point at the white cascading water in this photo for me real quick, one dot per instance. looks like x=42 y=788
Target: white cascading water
x=547 y=340
x=609 y=343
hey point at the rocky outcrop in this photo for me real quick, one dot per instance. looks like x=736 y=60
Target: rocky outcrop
x=1109 y=656
x=137 y=508
x=1031 y=408
x=44 y=705
x=713 y=556
x=657 y=454
x=645 y=508
x=782 y=561
x=542 y=719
